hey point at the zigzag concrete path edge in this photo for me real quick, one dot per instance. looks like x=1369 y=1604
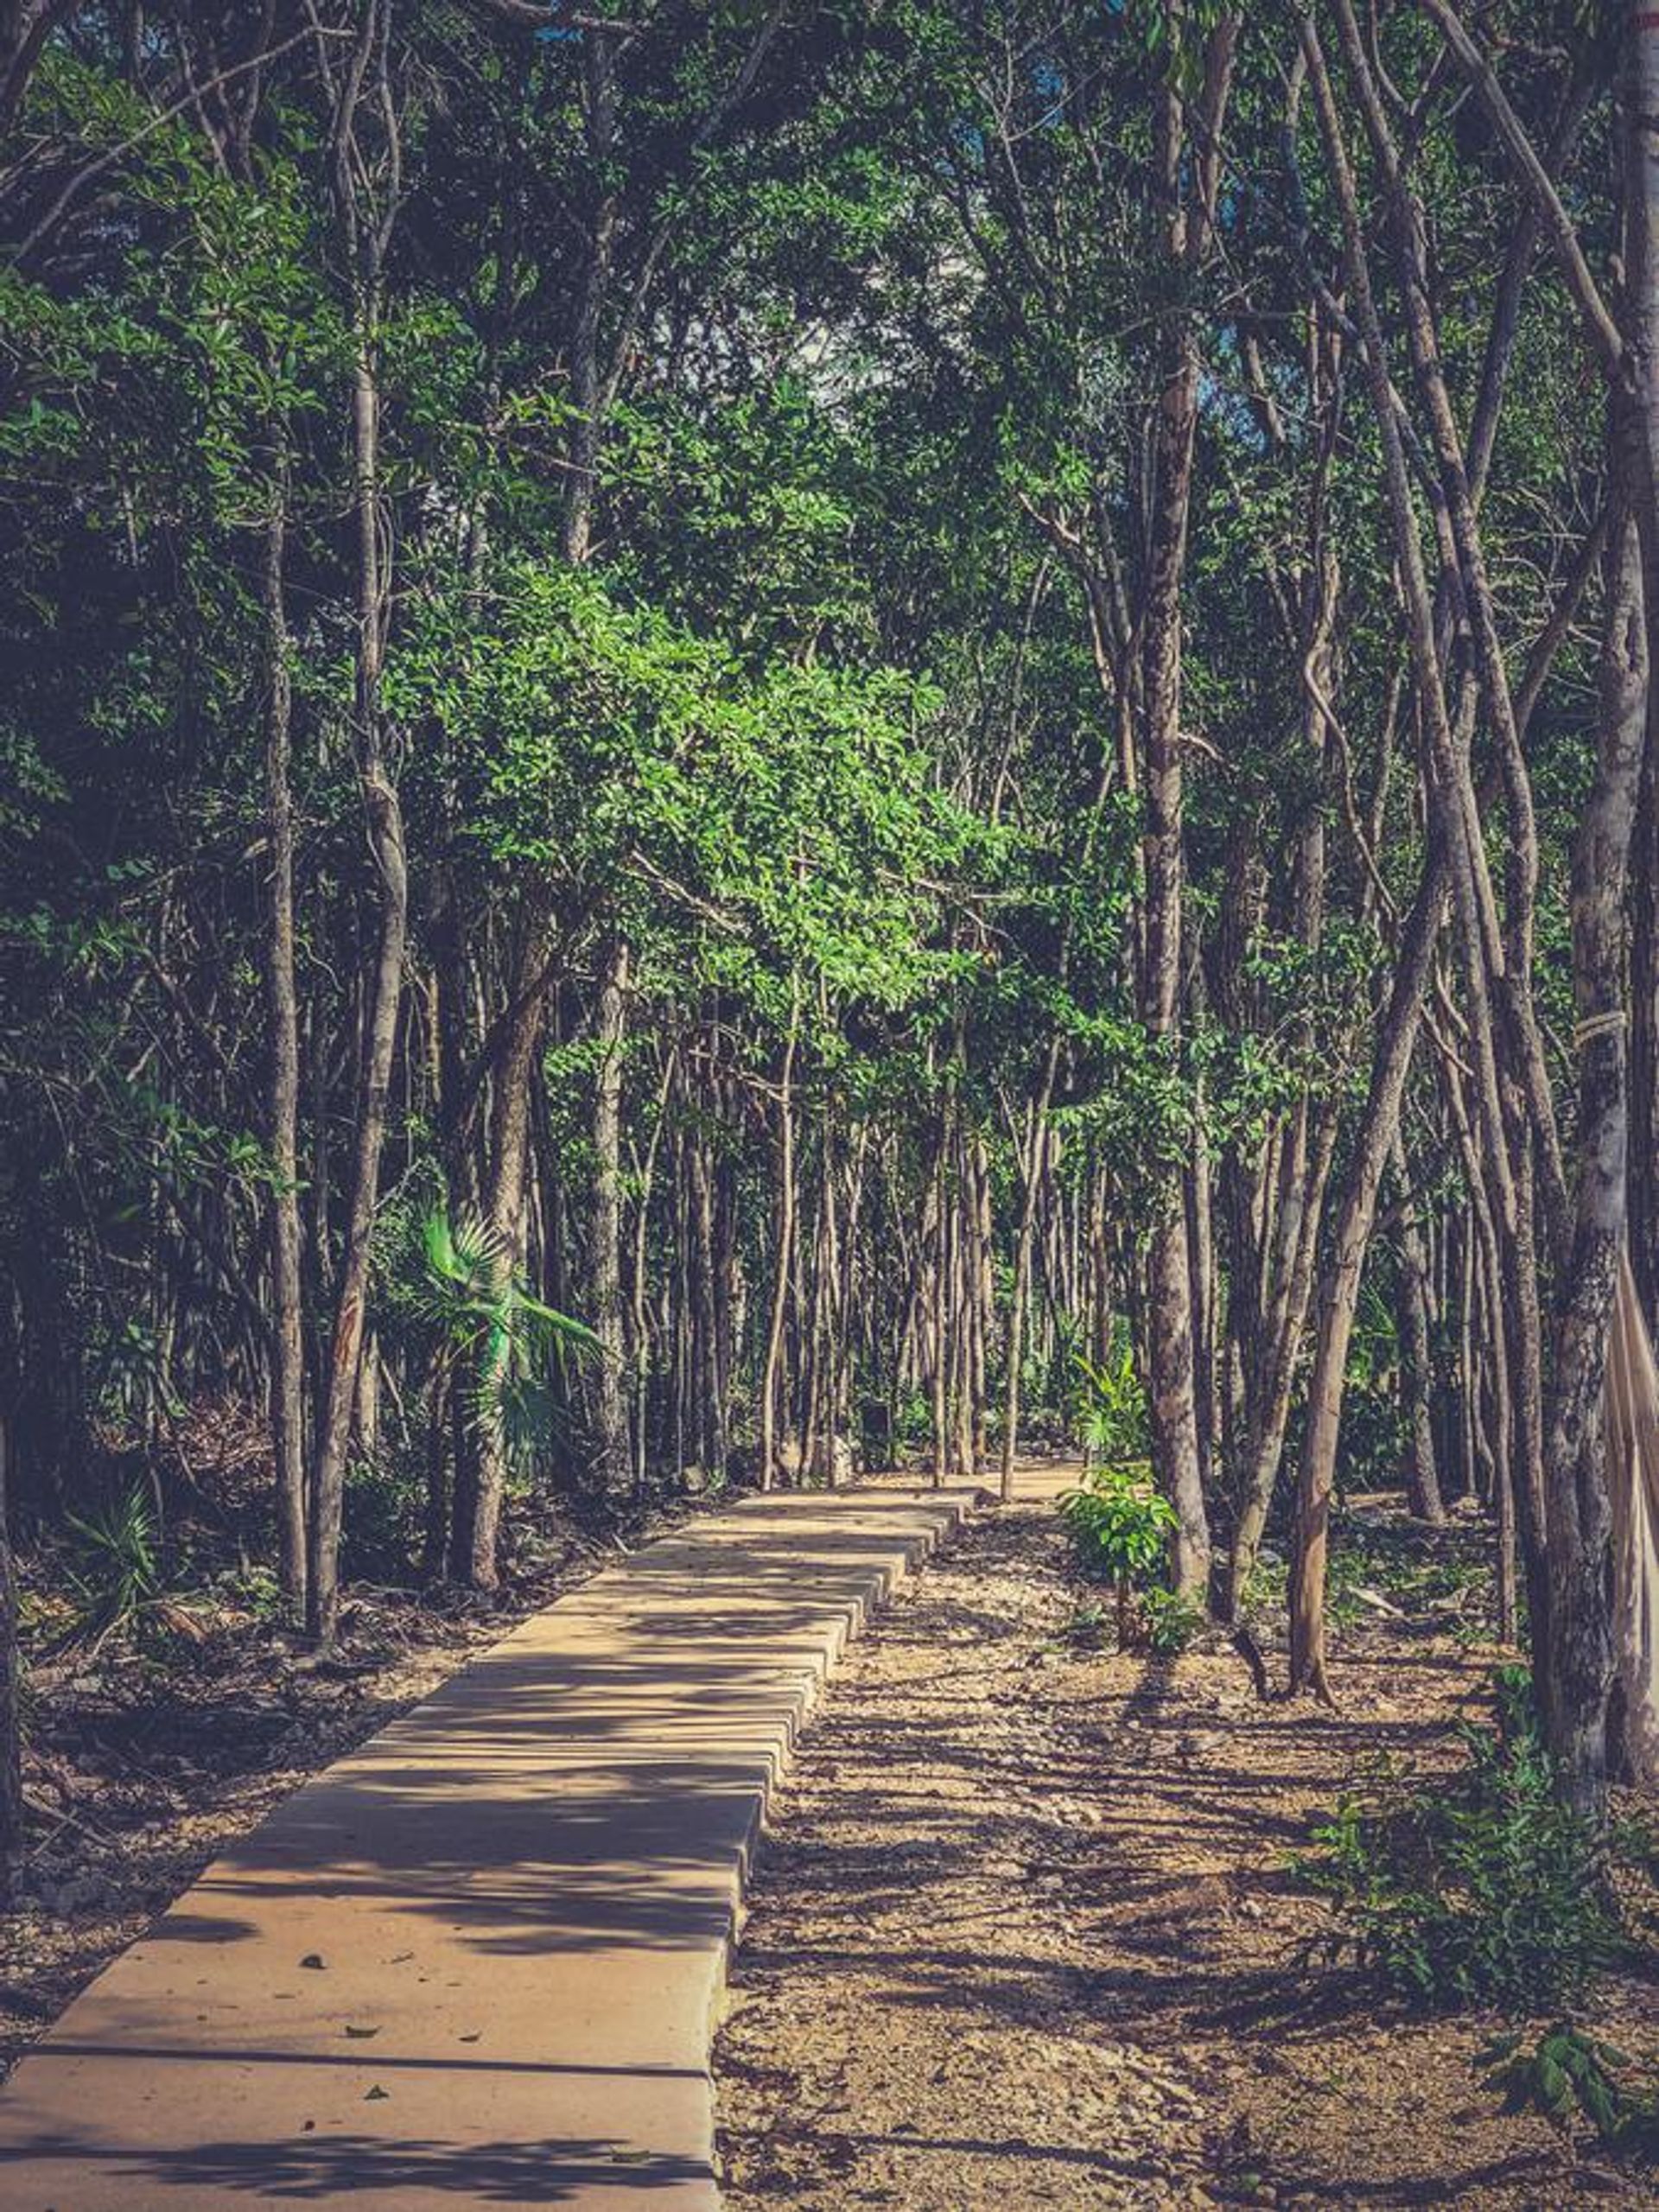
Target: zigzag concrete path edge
x=477 y=1961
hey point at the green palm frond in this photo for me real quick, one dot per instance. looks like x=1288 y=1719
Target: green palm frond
x=502 y=1332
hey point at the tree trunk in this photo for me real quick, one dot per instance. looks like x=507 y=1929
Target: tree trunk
x=1575 y=1662
x=11 y=1693
x=786 y=1241
x=1032 y=1165
x=480 y=1493
x=1641 y=165
x=387 y=840
x=1396 y=1039
x=605 y=1229
x=287 y=1346
x=1171 y=1372
x=1416 y=1358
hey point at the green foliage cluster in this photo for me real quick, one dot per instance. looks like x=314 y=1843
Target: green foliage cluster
x=500 y=1335
x=1481 y=1888
x=1108 y=1408
x=1118 y=1523
x=1567 y=2075
x=1119 y=1526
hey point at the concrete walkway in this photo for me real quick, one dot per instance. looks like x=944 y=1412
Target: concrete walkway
x=476 y=1961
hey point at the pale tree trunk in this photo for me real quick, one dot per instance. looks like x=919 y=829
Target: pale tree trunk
x=1171 y=1370
x=1575 y=1668
x=1643 y=1176
x=706 y=1365
x=1416 y=1357
x=785 y=1240
x=1507 y=1123
x=287 y=1350
x=964 y=1292
x=482 y=1466
x=11 y=1694
x=387 y=841
x=639 y=1318
x=1338 y=1300
x=938 y=1303
x=605 y=1229
x=1642 y=250
x=1303 y=1180
x=366 y=191
x=1034 y=1154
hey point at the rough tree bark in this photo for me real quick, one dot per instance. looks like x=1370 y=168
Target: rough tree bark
x=1575 y=1672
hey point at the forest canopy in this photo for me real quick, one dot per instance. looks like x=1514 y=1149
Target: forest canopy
x=748 y=735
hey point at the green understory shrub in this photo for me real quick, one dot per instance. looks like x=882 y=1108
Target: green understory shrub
x=1168 y=1621
x=122 y=1587
x=1481 y=1888
x=115 y=1564
x=1567 y=2075
x=1109 y=1404
x=1119 y=1526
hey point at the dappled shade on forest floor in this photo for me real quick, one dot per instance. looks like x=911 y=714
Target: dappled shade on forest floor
x=1023 y=1933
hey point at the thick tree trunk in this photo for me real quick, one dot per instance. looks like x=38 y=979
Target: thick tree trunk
x=1575 y=1664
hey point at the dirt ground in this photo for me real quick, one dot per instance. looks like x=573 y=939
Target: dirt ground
x=1023 y=1933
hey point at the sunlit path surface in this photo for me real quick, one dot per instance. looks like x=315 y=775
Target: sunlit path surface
x=475 y=1961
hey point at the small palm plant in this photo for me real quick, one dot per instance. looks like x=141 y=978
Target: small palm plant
x=500 y=1337
x=117 y=1573
x=116 y=1569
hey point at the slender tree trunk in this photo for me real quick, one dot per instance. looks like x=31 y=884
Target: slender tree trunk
x=479 y=1495
x=386 y=842
x=938 y=1303
x=1416 y=1358
x=1641 y=165
x=1297 y=1236
x=1031 y=1183
x=785 y=1242
x=1509 y=1112
x=11 y=1693
x=605 y=1235
x=1643 y=1174
x=288 y=1350
x=1396 y=1039
x=1171 y=1370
